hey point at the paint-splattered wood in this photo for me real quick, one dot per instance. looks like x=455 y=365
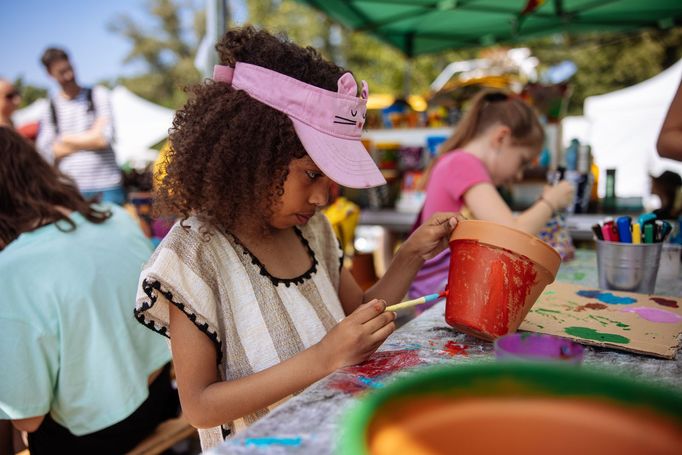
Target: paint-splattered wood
x=646 y=324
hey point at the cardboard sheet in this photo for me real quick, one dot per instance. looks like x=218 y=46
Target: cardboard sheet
x=645 y=324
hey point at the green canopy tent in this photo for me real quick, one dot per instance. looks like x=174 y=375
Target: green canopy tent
x=418 y=27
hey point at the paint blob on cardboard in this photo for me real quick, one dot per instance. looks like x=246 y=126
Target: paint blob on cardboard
x=622 y=320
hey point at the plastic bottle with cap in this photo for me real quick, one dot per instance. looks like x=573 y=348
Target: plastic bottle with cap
x=572 y=155
x=610 y=196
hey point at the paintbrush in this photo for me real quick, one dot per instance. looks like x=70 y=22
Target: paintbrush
x=417 y=301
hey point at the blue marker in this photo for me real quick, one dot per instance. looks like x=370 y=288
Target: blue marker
x=623 y=226
x=645 y=218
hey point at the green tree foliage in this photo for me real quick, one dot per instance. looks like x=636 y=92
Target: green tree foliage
x=29 y=93
x=383 y=66
x=608 y=62
x=167 y=51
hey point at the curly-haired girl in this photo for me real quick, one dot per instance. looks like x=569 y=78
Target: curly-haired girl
x=249 y=285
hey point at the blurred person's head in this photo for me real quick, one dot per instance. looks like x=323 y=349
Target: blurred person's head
x=506 y=128
x=34 y=193
x=9 y=102
x=58 y=66
x=666 y=186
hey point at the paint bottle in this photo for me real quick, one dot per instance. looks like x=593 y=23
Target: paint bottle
x=610 y=196
x=572 y=155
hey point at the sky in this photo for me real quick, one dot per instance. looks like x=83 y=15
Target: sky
x=79 y=26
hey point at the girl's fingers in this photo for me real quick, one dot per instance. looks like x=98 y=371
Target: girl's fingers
x=380 y=335
x=380 y=321
x=368 y=311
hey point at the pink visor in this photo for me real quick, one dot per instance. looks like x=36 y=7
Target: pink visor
x=328 y=124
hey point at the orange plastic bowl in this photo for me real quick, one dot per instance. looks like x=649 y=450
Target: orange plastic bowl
x=496 y=275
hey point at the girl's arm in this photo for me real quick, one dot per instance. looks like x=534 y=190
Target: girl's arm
x=427 y=241
x=207 y=401
x=669 y=142
x=486 y=203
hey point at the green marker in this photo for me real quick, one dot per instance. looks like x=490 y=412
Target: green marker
x=649 y=233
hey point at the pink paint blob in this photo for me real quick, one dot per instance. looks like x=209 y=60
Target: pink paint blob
x=655 y=314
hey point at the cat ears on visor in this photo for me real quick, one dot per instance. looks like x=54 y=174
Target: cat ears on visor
x=328 y=124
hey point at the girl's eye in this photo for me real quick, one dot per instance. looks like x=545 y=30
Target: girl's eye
x=312 y=175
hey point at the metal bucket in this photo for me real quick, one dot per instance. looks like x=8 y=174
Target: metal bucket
x=628 y=266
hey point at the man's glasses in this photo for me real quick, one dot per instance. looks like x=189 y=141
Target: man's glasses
x=11 y=95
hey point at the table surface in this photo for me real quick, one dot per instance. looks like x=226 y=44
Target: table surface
x=310 y=421
x=579 y=225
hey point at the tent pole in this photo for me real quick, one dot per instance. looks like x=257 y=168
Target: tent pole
x=407 y=81
x=409 y=53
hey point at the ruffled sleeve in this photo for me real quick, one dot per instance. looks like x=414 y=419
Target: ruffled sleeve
x=179 y=273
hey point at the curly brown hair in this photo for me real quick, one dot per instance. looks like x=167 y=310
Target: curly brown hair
x=31 y=191
x=230 y=153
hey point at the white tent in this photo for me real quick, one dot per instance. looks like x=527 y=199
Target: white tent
x=623 y=127
x=138 y=124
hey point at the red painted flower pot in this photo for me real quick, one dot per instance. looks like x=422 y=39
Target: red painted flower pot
x=496 y=275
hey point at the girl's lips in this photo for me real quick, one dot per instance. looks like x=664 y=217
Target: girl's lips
x=304 y=217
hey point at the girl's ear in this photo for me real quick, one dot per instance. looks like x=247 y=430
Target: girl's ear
x=498 y=135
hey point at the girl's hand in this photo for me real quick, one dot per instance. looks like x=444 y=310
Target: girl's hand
x=559 y=195
x=433 y=235
x=357 y=336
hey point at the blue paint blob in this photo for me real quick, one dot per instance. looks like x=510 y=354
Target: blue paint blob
x=589 y=294
x=607 y=297
x=263 y=442
x=369 y=382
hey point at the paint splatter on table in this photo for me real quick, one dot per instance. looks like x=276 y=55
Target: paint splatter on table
x=309 y=422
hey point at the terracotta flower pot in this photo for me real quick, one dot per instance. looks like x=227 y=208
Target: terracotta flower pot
x=496 y=275
x=514 y=408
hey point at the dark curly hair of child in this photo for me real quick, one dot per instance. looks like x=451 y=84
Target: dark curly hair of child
x=230 y=153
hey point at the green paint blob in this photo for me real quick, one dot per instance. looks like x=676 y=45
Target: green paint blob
x=578 y=276
x=591 y=334
x=545 y=310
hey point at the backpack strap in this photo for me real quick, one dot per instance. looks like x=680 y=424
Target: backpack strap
x=53 y=110
x=53 y=116
x=88 y=97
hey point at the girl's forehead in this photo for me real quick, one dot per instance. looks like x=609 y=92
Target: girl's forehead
x=304 y=161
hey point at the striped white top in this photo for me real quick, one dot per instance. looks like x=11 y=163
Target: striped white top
x=253 y=319
x=93 y=170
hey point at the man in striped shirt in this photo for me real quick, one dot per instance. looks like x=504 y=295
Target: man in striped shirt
x=76 y=132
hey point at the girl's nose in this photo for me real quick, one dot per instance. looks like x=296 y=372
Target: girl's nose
x=320 y=193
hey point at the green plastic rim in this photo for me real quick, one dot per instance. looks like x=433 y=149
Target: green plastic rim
x=506 y=379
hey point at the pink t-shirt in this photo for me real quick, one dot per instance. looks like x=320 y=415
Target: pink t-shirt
x=452 y=176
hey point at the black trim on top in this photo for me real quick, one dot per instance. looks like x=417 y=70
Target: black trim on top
x=148 y=286
x=343 y=253
x=286 y=281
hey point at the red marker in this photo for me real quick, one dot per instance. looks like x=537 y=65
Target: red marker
x=615 y=237
x=607 y=230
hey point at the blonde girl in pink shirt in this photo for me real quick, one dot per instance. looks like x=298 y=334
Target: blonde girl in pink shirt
x=498 y=137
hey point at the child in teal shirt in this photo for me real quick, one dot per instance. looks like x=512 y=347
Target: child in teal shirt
x=76 y=365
